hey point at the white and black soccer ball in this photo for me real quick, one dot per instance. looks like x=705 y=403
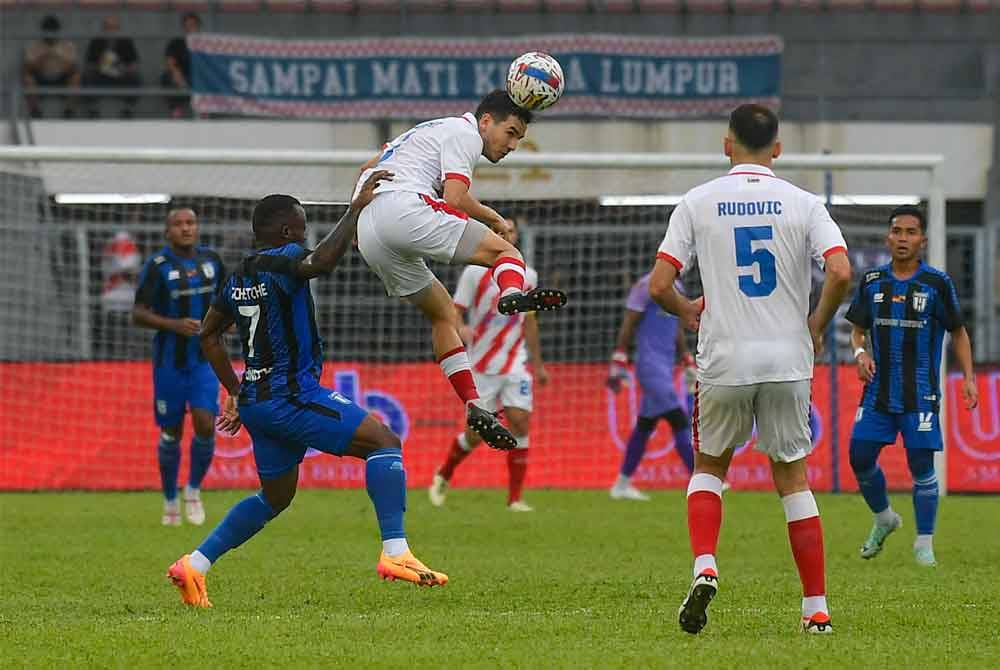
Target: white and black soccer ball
x=535 y=81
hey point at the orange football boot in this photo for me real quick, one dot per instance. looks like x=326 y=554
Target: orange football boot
x=189 y=582
x=408 y=568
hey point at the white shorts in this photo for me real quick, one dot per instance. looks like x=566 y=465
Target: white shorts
x=509 y=390
x=724 y=417
x=398 y=230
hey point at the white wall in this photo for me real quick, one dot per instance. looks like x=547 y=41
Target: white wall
x=967 y=149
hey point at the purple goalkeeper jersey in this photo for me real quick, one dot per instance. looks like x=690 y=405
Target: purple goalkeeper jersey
x=655 y=350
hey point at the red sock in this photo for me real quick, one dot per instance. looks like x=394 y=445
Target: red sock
x=455 y=366
x=805 y=533
x=455 y=456
x=508 y=273
x=704 y=507
x=517 y=468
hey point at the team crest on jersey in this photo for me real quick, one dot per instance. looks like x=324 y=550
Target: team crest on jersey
x=208 y=269
x=173 y=274
x=920 y=301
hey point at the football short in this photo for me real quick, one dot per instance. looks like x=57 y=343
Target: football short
x=658 y=396
x=509 y=390
x=175 y=389
x=283 y=429
x=920 y=430
x=399 y=230
x=724 y=418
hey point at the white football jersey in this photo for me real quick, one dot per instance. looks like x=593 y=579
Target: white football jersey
x=498 y=340
x=423 y=157
x=755 y=237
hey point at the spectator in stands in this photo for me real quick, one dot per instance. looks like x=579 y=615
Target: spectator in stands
x=112 y=61
x=53 y=62
x=178 y=67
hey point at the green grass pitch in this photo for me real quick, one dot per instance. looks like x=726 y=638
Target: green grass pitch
x=584 y=582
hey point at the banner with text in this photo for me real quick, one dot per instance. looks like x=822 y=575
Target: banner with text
x=415 y=78
x=98 y=432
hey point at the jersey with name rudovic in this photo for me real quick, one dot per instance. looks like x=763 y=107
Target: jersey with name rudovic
x=276 y=317
x=907 y=320
x=179 y=288
x=756 y=238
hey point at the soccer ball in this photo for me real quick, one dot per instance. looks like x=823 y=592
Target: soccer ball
x=534 y=81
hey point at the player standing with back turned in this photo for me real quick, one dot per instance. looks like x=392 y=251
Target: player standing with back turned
x=756 y=237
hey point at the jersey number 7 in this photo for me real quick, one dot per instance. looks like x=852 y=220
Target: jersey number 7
x=253 y=311
x=747 y=256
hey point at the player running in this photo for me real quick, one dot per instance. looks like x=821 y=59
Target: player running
x=175 y=290
x=756 y=237
x=906 y=307
x=498 y=365
x=281 y=403
x=427 y=212
x=658 y=342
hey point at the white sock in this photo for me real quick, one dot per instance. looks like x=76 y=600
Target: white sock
x=623 y=482
x=170 y=505
x=463 y=442
x=703 y=562
x=192 y=494
x=924 y=541
x=395 y=547
x=814 y=604
x=885 y=517
x=199 y=562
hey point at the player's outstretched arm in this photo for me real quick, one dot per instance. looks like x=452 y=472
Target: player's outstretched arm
x=328 y=253
x=212 y=327
x=835 y=287
x=664 y=294
x=456 y=194
x=963 y=352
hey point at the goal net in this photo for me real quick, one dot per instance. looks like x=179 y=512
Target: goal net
x=76 y=393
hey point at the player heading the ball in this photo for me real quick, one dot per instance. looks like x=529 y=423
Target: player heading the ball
x=428 y=212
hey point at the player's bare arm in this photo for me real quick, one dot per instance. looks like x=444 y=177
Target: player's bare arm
x=835 y=287
x=963 y=352
x=456 y=194
x=212 y=327
x=864 y=360
x=147 y=318
x=464 y=330
x=332 y=248
x=664 y=294
x=534 y=344
x=619 y=359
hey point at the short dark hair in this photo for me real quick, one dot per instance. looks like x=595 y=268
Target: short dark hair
x=910 y=210
x=190 y=15
x=50 y=24
x=272 y=211
x=754 y=126
x=499 y=105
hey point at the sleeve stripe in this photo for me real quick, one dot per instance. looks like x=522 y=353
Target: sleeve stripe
x=459 y=177
x=833 y=250
x=670 y=259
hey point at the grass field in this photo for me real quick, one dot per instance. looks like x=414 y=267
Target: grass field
x=584 y=582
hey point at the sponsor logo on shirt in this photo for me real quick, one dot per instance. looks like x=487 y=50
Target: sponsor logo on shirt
x=899 y=298
x=253 y=374
x=173 y=274
x=878 y=297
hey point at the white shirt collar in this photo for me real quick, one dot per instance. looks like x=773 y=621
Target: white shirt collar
x=751 y=168
x=471 y=118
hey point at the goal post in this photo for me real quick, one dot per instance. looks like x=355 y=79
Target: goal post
x=591 y=223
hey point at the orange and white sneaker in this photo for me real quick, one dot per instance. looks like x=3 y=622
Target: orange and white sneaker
x=408 y=568
x=817 y=624
x=189 y=582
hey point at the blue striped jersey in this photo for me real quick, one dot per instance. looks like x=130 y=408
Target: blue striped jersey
x=276 y=317
x=179 y=288
x=907 y=321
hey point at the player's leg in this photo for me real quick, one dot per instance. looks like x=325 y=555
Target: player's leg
x=922 y=437
x=872 y=431
x=635 y=449
x=169 y=401
x=481 y=246
x=680 y=424
x=465 y=442
x=203 y=398
x=782 y=411
x=722 y=418
x=517 y=459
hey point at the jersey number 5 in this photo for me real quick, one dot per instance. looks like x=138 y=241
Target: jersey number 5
x=252 y=311
x=747 y=256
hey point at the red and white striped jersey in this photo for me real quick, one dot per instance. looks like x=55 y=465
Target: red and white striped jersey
x=498 y=341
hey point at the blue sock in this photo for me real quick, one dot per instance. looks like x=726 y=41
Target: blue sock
x=202 y=450
x=925 y=489
x=634 y=450
x=168 y=452
x=871 y=479
x=682 y=444
x=242 y=522
x=385 y=480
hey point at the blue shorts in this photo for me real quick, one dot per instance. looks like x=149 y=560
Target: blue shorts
x=283 y=429
x=921 y=430
x=658 y=397
x=175 y=389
